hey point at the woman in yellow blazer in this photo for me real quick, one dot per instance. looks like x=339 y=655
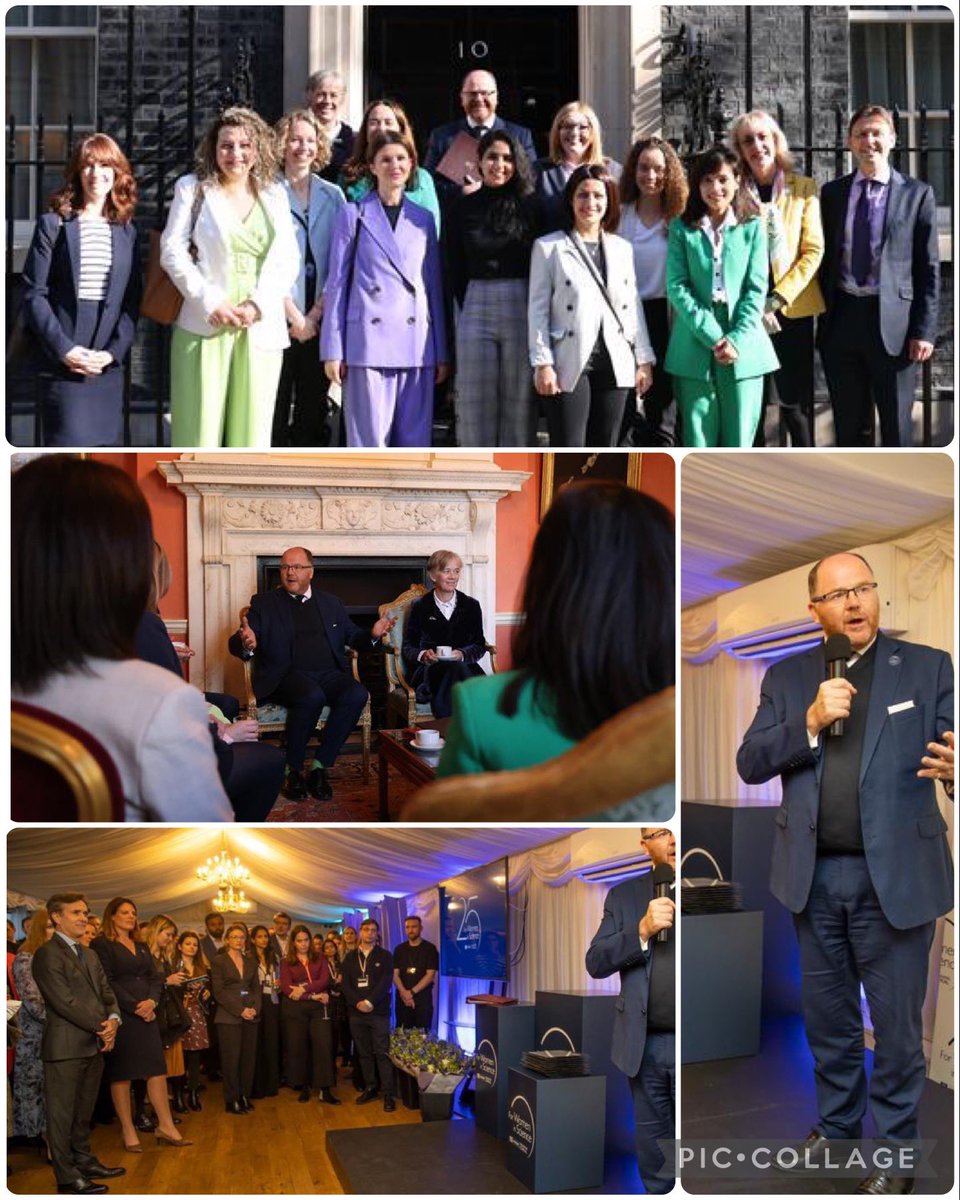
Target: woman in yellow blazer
x=788 y=205
x=719 y=351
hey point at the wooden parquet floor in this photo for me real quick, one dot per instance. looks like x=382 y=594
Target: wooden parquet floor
x=277 y=1149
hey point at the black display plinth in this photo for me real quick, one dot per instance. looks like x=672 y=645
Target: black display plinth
x=502 y=1036
x=583 y=1021
x=722 y=957
x=555 y=1131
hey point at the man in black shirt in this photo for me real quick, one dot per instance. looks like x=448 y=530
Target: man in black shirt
x=367 y=979
x=415 y=966
x=297 y=637
x=644 y=1028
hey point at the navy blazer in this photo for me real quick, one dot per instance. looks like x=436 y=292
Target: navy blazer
x=442 y=137
x=903 y=832
x=909 y=259
x=425 y=624
x=616 y=947
x=51 y=276
x=271 y=619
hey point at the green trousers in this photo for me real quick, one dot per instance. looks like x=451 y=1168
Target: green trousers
x=722 y=412
x=222 y=390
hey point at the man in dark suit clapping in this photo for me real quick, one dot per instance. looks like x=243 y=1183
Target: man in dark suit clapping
x=297 y=638
x=880 y=276
x=82 y=1017
x=644 y=1029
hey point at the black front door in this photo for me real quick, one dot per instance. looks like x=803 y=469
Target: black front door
x=419 y=56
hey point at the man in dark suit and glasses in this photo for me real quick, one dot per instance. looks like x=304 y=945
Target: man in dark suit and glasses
x=859 y=852
x=644 y=1026
x=880 y=276
x=82 y=1018
x=297 y=638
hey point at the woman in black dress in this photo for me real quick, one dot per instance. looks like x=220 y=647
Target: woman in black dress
x=237 y=991
x=338 y=1008
x=448 y=618
x=266 y=1075
x=138 y=1053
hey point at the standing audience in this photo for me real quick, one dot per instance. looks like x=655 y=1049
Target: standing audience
x=236 y=989
x=307 y=1023
x=367 y=980
x=29 y=1107
x=266 y=1076
x=195 y=969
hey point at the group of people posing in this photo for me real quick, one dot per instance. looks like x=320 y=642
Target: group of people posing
x=634 y=305
x=146 y=1005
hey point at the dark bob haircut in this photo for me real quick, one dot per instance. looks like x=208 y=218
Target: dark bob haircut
x=598 y=629
x=81 y=543
x=597 y=171
x=708 y=163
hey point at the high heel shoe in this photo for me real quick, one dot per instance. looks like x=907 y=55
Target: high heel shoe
x=133 y=1148
x=177 y=1143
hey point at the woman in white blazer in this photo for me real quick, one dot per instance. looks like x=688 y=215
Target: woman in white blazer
x=304 y=415
x=230 y=248
x=588 y=339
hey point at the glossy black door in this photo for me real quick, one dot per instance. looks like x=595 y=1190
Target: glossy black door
x=419 y=56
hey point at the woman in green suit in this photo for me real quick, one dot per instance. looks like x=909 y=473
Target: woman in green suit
x=597 y=634
x=717 y=269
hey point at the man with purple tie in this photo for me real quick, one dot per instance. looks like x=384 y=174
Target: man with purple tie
x=880 y=276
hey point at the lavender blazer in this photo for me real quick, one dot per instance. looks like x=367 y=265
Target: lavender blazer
x=387 y=312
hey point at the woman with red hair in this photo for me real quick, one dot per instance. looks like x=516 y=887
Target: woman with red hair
x=82 y=292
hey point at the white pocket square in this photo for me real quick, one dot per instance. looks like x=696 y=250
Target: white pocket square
x=902 y=707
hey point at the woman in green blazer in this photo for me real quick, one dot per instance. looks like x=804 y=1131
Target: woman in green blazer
x=717 y=271
x=604 y=554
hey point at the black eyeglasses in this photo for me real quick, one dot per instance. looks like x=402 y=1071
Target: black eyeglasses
x=860 y=591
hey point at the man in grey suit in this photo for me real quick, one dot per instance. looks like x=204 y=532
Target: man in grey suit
x=644 y=1028
x=82 y=1018
x=880 y=276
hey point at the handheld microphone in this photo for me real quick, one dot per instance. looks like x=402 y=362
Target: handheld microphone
x=663 y=877
x=836 y=650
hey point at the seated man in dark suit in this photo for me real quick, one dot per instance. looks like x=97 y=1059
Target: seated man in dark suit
x=297 y=638
x=644 y=1029
x=82 y=1018
x=880 y=276
x=859 y=852
x=478 y=96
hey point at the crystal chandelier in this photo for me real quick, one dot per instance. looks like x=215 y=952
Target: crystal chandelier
x=230 y=877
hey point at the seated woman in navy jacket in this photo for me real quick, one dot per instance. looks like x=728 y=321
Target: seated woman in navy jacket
x=82 y=295
x=444 y=617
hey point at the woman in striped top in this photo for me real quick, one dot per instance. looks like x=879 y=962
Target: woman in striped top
x=82 y=292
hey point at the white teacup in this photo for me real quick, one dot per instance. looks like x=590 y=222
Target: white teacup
x=444 y=652
x=428 y=737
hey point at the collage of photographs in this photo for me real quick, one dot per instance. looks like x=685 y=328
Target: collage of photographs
x=482 y=495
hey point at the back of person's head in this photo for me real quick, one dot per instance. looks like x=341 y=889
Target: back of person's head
x=598 y=628
x=82 y=544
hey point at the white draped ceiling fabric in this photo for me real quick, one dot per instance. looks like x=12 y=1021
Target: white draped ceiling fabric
x=317 y=875
x=746 y=519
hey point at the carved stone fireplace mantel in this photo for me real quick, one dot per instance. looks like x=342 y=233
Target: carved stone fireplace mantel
x=245 y=507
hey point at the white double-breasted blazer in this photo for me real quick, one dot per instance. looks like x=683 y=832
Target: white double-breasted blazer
x=567 y=309
x=203 y=284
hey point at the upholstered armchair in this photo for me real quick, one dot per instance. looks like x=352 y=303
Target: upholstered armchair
x=272 y=718
x=403 y=711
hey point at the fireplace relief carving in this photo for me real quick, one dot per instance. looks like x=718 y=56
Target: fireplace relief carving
x=245 y=506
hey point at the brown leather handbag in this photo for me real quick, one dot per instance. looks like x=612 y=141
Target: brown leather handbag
x=162 y=300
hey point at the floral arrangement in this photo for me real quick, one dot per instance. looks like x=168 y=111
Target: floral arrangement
x=420 y=1053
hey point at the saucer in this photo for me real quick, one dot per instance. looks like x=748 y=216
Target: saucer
x=437 y=746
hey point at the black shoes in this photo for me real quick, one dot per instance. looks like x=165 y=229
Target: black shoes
x=236 y=1108
x=304 y=1097
x=82 y=1187
x=881 y=1183
x=143 y=1123
x=389 y=1104
x=293 y=788
x=246 y=1105
x=327 y=1097
x=367 y=1095
x=812 y=1150
x=99 y=1171
x=318 y=785
x=193 y=1100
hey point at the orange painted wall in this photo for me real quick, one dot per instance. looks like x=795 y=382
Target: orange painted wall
x=518 y=516
x=658 y=478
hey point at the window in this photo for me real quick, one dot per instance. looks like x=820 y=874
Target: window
x=51 y=73
x=903 y=57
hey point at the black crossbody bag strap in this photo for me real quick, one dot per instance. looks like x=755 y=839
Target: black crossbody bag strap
x=598 y=280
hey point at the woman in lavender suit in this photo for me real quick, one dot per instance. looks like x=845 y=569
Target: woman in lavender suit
x=383 y=335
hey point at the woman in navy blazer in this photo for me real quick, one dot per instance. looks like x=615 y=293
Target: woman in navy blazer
x=82 y=293
x=383 y=335
x=304 y=415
